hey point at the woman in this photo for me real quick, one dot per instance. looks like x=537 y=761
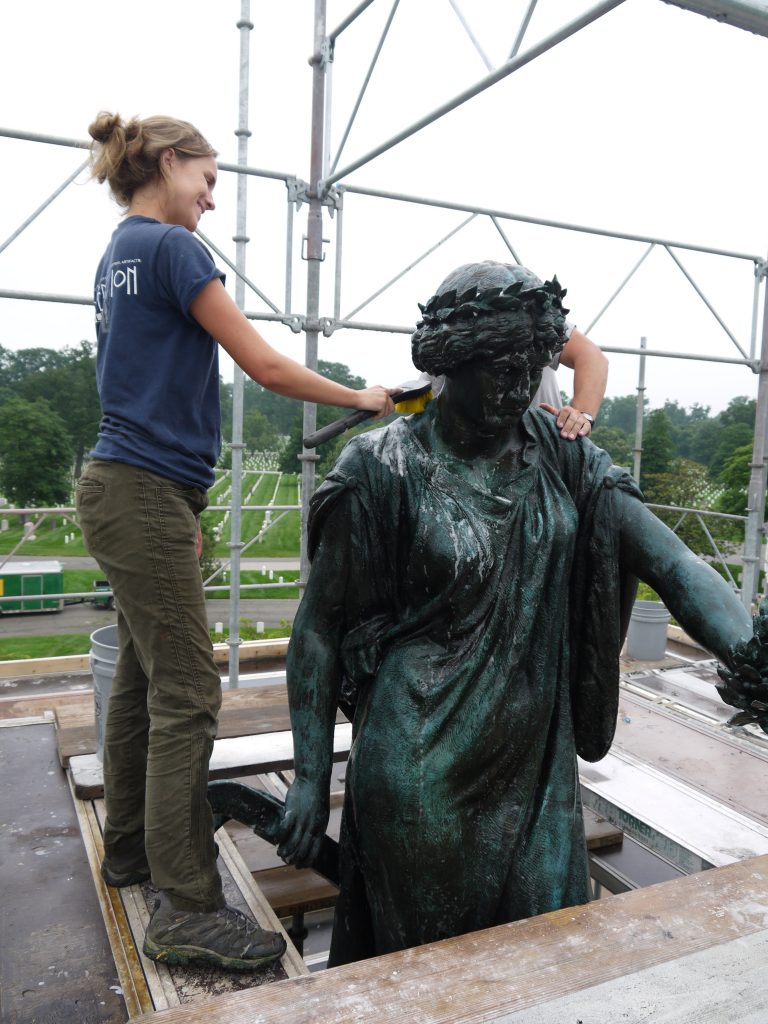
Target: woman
x=161 y=309
x=472 y=678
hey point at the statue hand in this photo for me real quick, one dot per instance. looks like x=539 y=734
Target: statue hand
x=307 y=807
x=745 y=682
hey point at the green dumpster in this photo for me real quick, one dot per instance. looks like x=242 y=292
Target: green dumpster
x=29 y=582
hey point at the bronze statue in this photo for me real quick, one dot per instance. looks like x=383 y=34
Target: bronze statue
x=471 y=582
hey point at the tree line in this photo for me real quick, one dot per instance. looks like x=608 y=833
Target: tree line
x=50 y=416
x=689 y=457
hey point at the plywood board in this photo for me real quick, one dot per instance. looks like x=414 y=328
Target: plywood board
x=247 y=712
x=492 y=976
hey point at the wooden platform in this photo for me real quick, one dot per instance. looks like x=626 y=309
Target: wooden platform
x=246 y=712
x=683 y=952
x=231 y=758
x=148 y=986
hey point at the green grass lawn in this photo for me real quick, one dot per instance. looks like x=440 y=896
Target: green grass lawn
x=49 y=538
x=13 y=648
x=77 y=581
x=283 y=538
x=247 y=631
x=30 y=647
x=256 y=576
x=280 y=541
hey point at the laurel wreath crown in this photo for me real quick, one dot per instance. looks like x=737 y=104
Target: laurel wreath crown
x=473 y=303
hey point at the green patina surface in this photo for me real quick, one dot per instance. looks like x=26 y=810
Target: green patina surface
x=472 y=574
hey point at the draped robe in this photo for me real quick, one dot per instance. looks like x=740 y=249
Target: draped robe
x=479 y=654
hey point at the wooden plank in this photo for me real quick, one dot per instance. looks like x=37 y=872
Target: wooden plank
x=149 y=986
x=126 y=955
x=34 y=706
x=238 y=756
x=44 y=666
x=720 y=985
x=247 y=712
x=250 y=651
x=490 y=975
x=290 y=890
x=258 y=904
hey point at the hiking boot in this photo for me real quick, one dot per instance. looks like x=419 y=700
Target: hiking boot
x=119 y=878
x=226 y=938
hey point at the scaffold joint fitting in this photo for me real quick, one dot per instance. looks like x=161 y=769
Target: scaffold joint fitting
x=295 y=322
x=298 y=191
x=333 y=199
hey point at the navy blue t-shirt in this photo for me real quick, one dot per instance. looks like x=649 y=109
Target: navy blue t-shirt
x=157 y=369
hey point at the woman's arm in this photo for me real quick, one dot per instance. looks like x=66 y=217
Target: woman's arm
x=314 y=680
x=215 y=311
x=590 y=375
x=696 y=595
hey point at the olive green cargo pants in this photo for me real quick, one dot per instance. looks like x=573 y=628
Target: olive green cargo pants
x=141 y=529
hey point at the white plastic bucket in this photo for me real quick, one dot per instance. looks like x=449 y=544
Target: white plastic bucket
x=647 y=634
x=103 y=659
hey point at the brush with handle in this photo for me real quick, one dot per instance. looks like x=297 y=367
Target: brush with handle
x=416 y=391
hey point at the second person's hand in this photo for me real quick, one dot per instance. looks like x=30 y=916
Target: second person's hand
x=571 y=422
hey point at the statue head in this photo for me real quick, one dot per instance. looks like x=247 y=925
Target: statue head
x=482 y=311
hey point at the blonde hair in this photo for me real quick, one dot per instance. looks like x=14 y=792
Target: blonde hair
x=127 y=154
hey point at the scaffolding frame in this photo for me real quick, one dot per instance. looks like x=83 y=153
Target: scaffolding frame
x=324 y=195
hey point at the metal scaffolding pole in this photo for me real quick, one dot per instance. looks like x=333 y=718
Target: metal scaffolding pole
x=496 y=76
x=364 y=86
x=753 y=537
x=523 y=29
x=751 y=15
x=245 y=25
x=473 y=38
x=44 y=206
x=490 y=211
x=314 y=258
x=639 y=412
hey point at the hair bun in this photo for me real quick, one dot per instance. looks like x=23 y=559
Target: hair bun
x=132 y=129
x=104 y=126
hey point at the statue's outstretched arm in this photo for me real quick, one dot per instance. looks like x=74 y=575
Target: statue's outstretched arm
x=706 y=607
x=314 y=680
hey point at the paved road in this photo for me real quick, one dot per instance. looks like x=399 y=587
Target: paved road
x=85 y=618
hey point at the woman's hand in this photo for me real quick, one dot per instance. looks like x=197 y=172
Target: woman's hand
x=377 y=399
x=570 y=421
x=307 y=807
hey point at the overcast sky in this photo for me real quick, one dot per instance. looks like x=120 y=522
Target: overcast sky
x=648 y=122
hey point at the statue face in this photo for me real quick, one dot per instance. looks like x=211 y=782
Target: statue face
x=495 y=392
